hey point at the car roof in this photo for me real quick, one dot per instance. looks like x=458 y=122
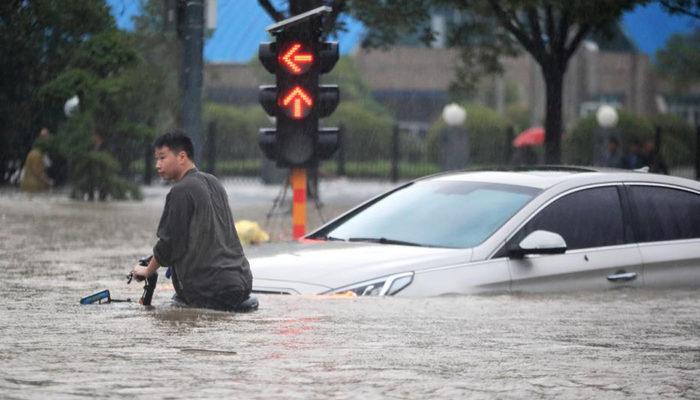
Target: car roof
x=545 y=177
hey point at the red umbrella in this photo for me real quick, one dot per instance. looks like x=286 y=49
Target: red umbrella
x=529 y=137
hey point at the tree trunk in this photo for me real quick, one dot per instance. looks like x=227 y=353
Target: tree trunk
x=554 y=84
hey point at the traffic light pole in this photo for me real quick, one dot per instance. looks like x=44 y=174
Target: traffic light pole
x=298 y=182
x=297 y=57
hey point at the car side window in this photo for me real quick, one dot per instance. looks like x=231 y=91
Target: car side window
x=665 y=213
x=587 y=218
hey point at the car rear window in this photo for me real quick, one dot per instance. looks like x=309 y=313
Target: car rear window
x=665 y=214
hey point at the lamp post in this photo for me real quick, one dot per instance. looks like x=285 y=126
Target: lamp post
x=71 y=106
x=454 y=151
x=607 y=119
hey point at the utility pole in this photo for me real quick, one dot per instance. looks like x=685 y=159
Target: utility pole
x=192 y=72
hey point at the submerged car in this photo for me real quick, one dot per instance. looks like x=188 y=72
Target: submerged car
x=535 y=230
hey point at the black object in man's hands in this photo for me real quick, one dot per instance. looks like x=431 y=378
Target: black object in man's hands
x=150 y=284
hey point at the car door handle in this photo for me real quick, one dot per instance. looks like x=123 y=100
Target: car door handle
x=622 y=276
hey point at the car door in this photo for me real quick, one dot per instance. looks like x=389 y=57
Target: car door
x=490 y=276
x=600 y=253
x=667 y=226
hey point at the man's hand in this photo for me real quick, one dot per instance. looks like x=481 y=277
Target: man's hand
x=140 y=273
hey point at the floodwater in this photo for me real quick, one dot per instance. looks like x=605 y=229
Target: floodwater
x=617 y=344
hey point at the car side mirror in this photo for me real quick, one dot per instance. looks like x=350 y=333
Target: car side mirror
x=539 y=242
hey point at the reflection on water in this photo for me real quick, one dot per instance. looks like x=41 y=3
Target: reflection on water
x=617 y=344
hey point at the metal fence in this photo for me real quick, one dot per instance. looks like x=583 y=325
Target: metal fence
x=405 y=156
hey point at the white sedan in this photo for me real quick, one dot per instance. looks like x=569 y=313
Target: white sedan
x=537 y=230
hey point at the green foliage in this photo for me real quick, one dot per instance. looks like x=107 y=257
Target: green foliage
x=95 y=177
x=578 y=145
x=366 y=133
x=676 y=134
x=679 y=60
x=117 y=103
x=391 y=20
x=676 y=139
x=518 y=116
x=236 y=129
x=487 y=131
x=38 y=40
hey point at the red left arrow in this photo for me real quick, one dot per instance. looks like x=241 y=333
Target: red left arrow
x=295 y=61
x=299 y=101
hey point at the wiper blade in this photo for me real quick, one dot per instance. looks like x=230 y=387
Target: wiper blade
x=331 y=238
x=384 y=240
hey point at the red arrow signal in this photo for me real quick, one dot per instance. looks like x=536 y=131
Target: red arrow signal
x=294 y=61
x=297 y=103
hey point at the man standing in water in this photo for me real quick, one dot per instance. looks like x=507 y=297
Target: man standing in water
x=196 y=234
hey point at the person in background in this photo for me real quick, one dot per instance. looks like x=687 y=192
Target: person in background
x=34 y=178
x=652 y=158
x=612 y=157
x=633 y=159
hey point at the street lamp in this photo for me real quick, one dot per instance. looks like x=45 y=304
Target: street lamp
x=454 y=115
x=71 y=106
x=606 y=116
x=454 y=152
x=607 y=119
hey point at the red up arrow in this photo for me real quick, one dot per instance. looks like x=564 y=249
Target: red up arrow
x=296 y=62
x=299 y=101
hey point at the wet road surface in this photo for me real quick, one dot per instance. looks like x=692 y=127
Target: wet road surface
x=616 y=344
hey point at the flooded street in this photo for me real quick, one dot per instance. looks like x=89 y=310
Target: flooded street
x=53 y=251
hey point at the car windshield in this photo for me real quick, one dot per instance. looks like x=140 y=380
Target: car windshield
x=436 y=213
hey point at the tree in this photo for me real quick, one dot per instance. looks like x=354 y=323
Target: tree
x=679 y=60
x=549 y=30
x=109 y=131
x=37 y=41
x=686 y=7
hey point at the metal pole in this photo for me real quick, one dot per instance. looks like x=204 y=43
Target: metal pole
x=340 y=171
x=697 y=152
x=192 y=74
x=395 y=154
x=211 y=148
x=510 y=133
x=147 y=164
x=298 y=180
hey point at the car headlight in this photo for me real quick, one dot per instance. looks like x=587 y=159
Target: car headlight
x=387 y=286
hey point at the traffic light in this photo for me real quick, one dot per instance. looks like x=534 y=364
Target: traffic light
x=297 y=57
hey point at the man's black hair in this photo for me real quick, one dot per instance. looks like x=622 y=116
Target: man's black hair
x=177 y=141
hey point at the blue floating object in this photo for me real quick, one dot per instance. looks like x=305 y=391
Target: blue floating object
x=97 y=298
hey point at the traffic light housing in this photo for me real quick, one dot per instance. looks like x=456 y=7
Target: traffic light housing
x=297 y=57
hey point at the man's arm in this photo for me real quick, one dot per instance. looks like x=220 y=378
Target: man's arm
x=174 y=226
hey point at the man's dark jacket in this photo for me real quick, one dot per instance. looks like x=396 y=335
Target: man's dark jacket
x=198 y=240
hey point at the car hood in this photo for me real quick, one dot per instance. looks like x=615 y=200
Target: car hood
x=317 y=267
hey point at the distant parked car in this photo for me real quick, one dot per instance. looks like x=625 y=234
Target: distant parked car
x=535 y=230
